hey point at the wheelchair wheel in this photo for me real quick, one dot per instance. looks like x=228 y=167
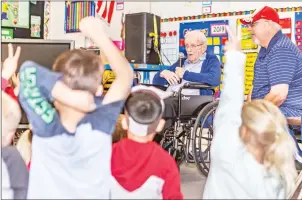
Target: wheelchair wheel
x=202 y=137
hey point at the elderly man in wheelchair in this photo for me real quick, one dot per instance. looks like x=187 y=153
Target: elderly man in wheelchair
x=193 y=82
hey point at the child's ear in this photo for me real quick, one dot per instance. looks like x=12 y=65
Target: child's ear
x=160 y=125
x=124 y=123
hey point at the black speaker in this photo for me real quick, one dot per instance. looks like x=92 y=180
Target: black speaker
x=139 y=46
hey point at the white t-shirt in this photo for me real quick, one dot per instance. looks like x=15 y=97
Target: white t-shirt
x=235 y=173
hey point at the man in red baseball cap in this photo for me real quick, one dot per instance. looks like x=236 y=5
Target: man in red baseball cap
x=265 y=12
x=260 y=22
x=278 y=68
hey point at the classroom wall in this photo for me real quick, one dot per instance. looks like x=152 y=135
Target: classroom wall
x=57 y=15
x=163 y=9
x=179 y=9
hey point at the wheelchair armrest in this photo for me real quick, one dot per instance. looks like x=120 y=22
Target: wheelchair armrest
x=198 y=86
x=296 y=121
x=164 y=88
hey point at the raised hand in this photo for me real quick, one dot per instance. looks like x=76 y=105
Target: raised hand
x=234 y=42
x=10 y=64
x=92 y=27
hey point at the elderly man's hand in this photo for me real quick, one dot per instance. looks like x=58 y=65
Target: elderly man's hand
x=171 y=77
x=180 y=72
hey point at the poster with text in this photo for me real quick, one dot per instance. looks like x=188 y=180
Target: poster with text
x=7 y=33
x=246 y=37
x=35 y=26
x=15 y=14
x=251 y=58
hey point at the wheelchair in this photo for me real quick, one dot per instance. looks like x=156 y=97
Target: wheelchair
x=189 y=138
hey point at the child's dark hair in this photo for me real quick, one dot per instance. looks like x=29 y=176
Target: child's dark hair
x=81 y=69
x=144 y=108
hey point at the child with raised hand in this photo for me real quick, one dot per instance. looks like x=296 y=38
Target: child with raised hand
x=71 y=147
x=252 y=153
x=140 y=168
x=9 y=67
x=14 y=177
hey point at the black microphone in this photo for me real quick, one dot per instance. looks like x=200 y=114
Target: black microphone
x=181 y=56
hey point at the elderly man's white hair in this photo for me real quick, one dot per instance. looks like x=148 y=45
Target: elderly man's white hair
x=11 y=116
x=196 y=35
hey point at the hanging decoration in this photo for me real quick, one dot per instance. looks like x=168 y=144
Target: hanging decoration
x=168 y=33
x=46 y=19
x=105 y=10
x=237 y=13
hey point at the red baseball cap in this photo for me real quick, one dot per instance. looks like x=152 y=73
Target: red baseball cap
x=266 y=12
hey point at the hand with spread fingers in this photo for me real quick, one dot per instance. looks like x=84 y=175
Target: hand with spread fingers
x=10 y=64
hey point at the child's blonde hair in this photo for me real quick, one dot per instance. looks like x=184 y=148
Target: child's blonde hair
x=269 y=126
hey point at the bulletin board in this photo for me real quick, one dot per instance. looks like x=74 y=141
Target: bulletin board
x=298 y=29
x=33 y=29
x=215 y=31
x=251 y=51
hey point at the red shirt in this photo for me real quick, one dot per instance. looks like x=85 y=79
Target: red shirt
x=8 y=90
x=133 y=163
x=28 y=165
x=11 y=93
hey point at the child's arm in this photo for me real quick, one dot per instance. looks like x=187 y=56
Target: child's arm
x=36 y=84
x=228 y=115
x=108 y=110
x=38 y=89
x=4 y=83
x=120 y=88
x=10 y=65
x=172 y=187
x=232 y=96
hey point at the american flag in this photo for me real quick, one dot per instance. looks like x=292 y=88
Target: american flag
x=105 y=9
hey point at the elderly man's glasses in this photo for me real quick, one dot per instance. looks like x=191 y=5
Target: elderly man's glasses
x=192 y=46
